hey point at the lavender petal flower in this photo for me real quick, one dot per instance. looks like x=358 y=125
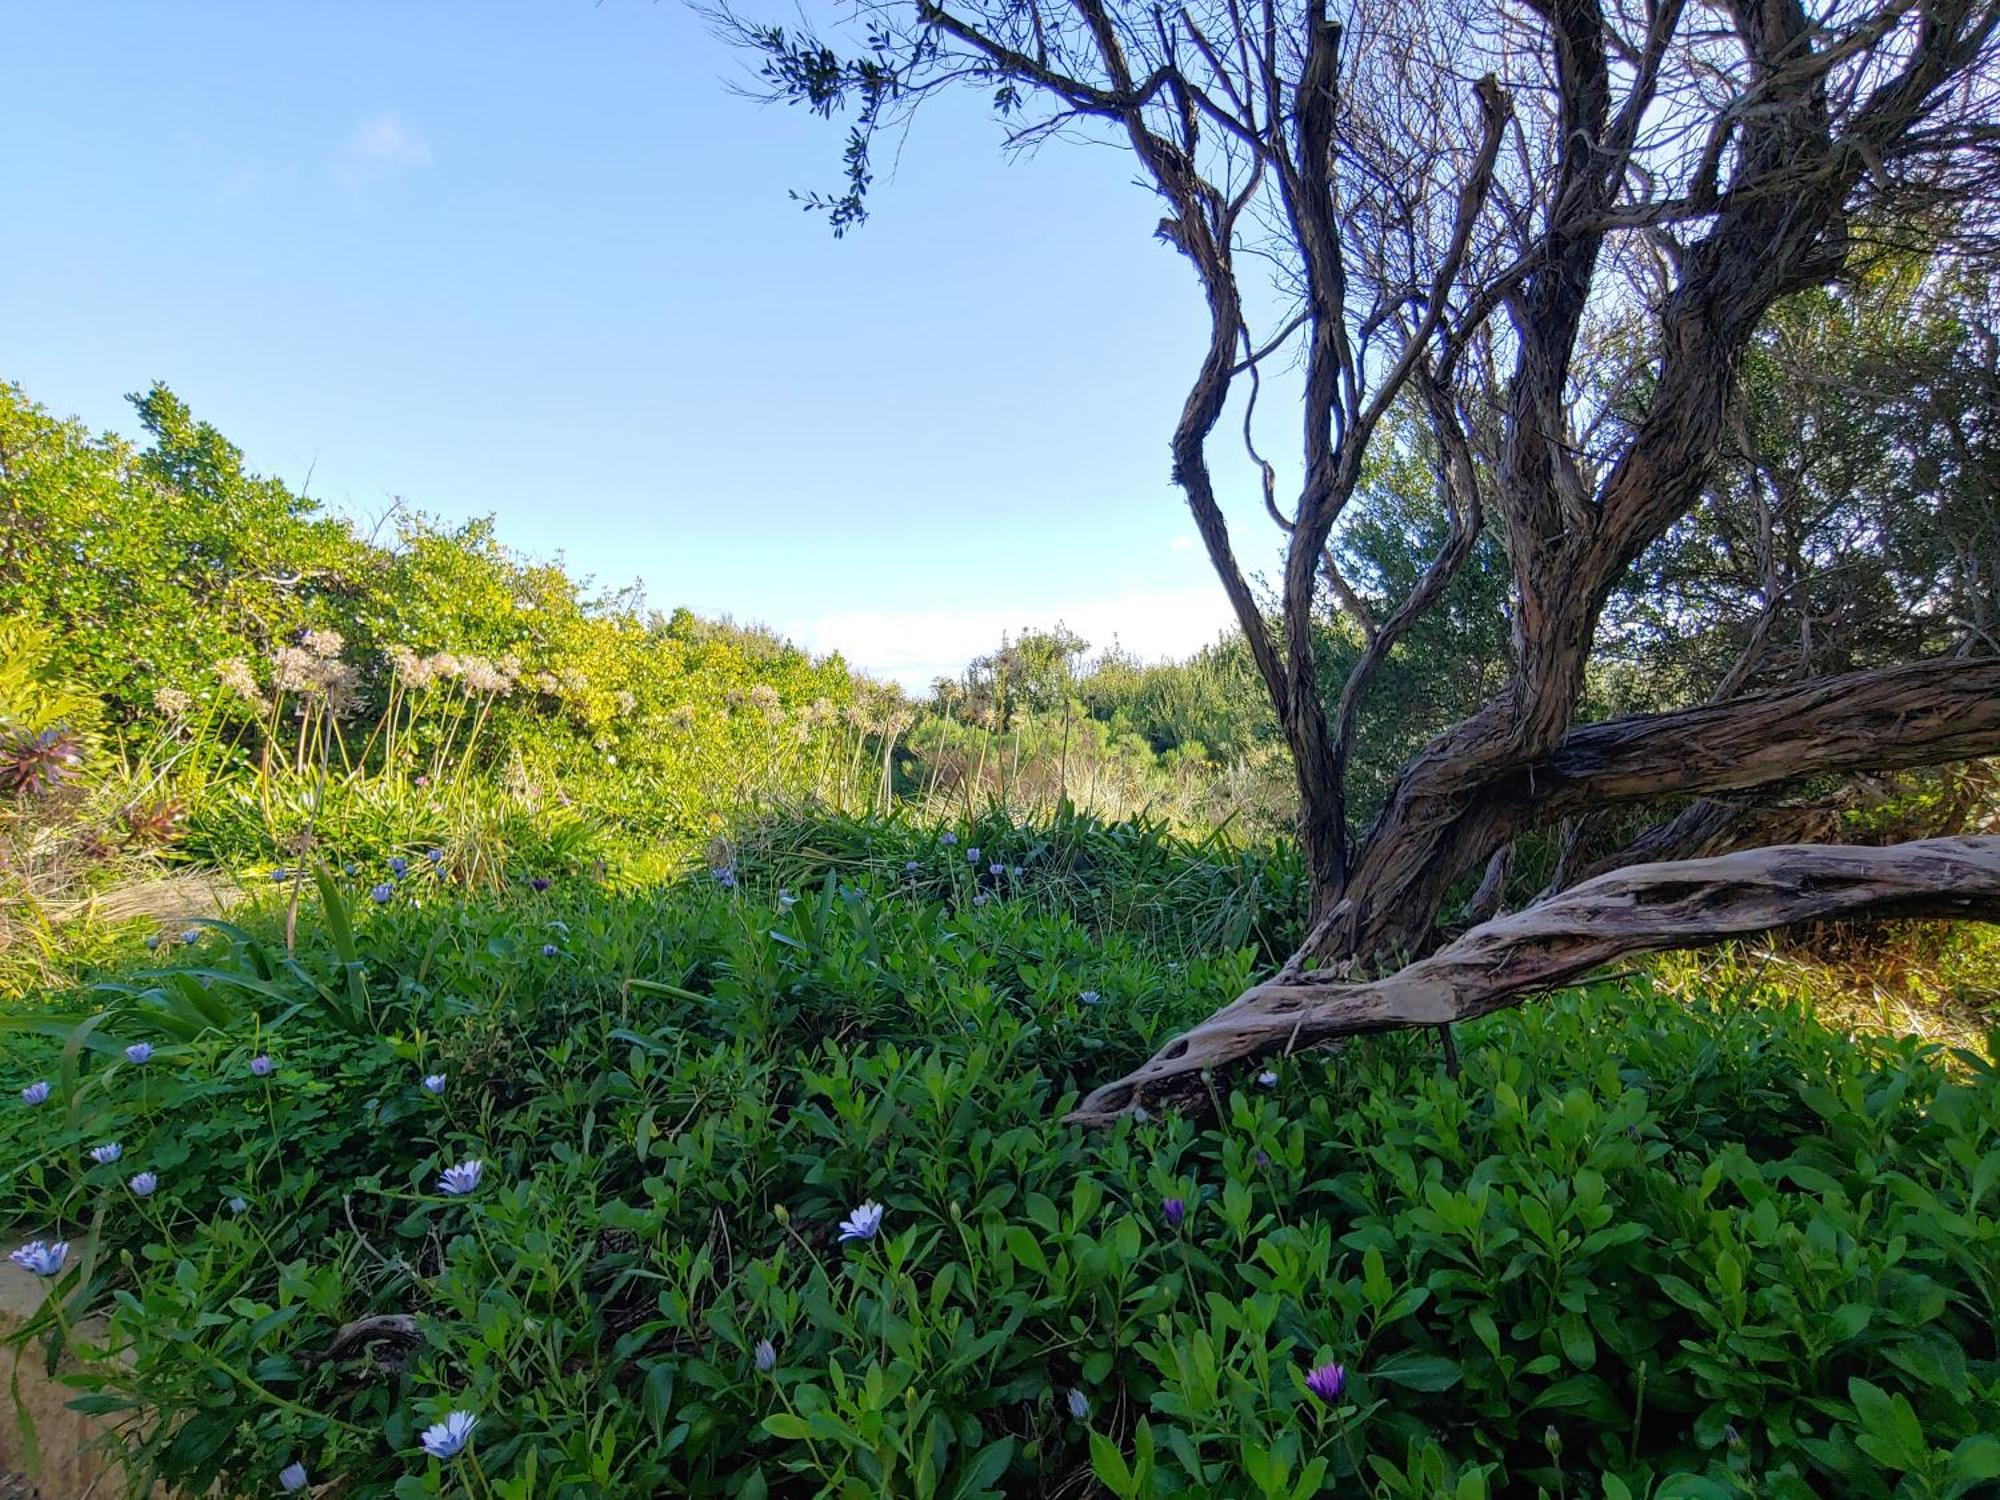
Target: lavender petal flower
x=462 y=1179
x=863 y=1224
x=1327 y=1382
x=447 y=1439
x=42 y=1260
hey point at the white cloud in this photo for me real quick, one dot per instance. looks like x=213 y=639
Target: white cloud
x=379 y=147
x=1181 y=543
x=915 y=646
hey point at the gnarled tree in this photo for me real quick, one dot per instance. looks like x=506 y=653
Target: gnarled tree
x=1542 y=235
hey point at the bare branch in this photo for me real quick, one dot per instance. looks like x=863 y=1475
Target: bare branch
x=1641 y=909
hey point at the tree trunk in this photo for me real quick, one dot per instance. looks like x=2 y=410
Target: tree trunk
x=1641 y=909
x=1464 y=796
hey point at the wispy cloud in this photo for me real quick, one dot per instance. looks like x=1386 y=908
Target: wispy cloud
x=916 y=646
x=1181 y=543
x=380 y=146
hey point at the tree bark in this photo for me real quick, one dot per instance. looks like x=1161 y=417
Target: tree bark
x=1922 y=714
x=1641 y=909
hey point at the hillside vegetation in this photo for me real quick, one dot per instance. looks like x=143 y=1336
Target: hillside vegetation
x=646 y=1041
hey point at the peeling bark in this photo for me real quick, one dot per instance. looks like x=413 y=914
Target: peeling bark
x=1641 y=909
x=1456 y=808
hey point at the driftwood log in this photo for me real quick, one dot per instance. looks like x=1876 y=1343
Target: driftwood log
x=1639 y=909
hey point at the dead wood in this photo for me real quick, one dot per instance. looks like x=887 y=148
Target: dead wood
x=1639 y=909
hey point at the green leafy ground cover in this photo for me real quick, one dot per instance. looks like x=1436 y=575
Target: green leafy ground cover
x=1639 y=1246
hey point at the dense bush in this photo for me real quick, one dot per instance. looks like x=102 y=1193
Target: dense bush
x=1635 y=1249
x=213 y=610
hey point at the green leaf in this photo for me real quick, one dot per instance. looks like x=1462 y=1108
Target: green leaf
x=987 y=1465
x=1976 y=1458
x=1109 y=1465
x=1890 y=1431
x=782 y=1424
x=1419 y=1372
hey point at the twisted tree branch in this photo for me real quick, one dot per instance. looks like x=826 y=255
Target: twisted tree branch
x=1640 y=909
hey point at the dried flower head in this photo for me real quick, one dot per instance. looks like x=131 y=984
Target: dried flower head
x=235 y=674
x=482 y=676
x=412 y=670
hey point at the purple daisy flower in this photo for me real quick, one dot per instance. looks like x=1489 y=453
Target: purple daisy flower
x=447 y=1439
x=462 y=1179
x=43 y=1260
x=1327 y=1382
x=864 y=1224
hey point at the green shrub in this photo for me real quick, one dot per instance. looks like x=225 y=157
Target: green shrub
x=1635 y=1249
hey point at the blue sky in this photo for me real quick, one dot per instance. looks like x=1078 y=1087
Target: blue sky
x=535 y=260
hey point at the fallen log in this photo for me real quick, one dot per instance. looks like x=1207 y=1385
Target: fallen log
x=1639 y=909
